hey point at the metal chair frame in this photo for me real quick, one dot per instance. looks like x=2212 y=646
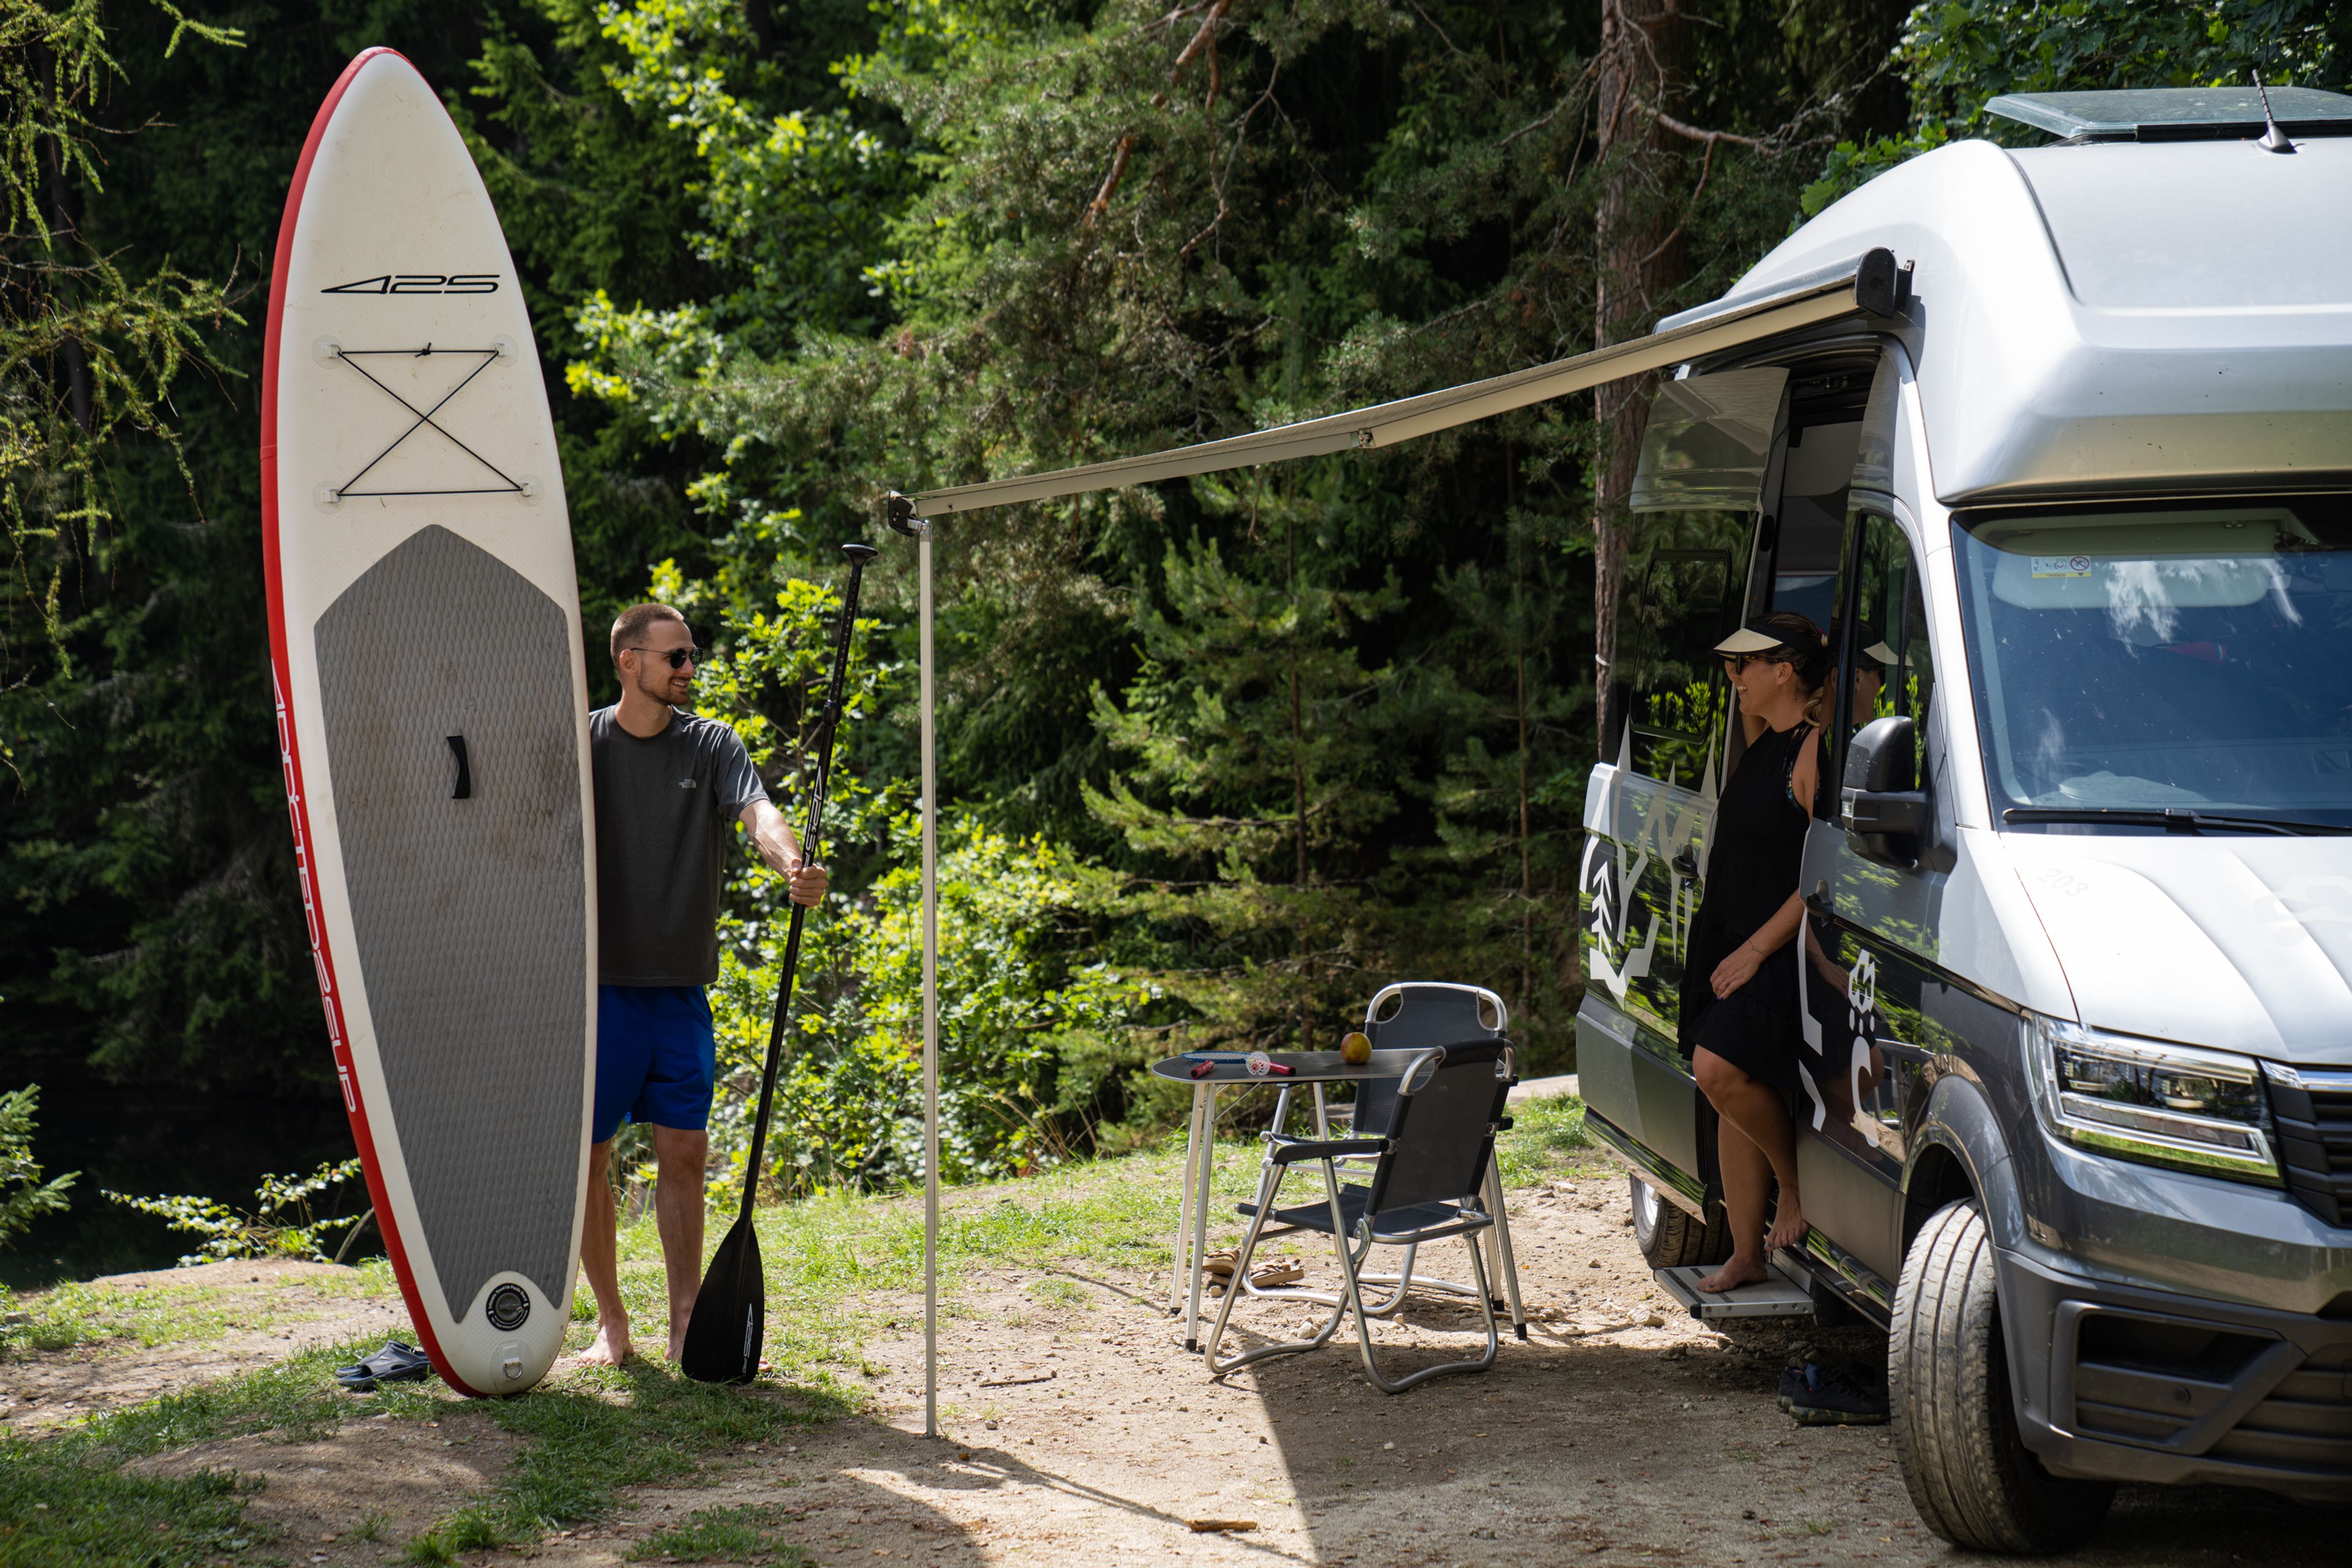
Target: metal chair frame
x=1501 y=1262
x=1464 y=1217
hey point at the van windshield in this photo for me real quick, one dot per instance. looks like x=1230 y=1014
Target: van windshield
x=2195 y=657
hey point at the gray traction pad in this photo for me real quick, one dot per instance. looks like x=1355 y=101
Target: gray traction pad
x=471 y=915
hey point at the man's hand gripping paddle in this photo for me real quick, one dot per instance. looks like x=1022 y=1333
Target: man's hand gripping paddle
x=730 y=1315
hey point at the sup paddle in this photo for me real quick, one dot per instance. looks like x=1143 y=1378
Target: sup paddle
x=730 y=1314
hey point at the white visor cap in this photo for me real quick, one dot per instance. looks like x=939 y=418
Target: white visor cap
x=1748 y=639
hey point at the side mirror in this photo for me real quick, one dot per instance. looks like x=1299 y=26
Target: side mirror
x=1880 y=807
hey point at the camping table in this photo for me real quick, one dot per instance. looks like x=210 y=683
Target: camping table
x=1317 y=1068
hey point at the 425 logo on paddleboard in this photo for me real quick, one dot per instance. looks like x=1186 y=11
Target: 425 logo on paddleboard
x=421 y=283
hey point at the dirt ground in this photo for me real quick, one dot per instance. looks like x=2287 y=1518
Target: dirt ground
x=1080 y=1432
x=41 y=1391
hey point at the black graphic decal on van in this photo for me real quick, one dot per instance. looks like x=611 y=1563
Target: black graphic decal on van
x=421 y=283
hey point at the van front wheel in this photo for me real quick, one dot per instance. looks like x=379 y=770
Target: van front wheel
x=1972 y=1476
x=1669 y=1238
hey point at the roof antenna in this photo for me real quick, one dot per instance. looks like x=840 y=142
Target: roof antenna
x=2273 y=139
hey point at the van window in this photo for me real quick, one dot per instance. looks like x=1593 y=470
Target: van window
x=1885 y=665
x=1685 y=575
x=2133 y=660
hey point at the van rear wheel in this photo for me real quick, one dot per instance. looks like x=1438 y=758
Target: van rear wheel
x=1972 y=1476
x=1669 y=1237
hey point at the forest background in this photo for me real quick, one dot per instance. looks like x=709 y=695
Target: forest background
x=1218 y=758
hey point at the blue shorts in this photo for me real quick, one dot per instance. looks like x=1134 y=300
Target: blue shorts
x=656 y=1058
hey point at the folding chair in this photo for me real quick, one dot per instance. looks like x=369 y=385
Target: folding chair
x=1412 y=1016
x=1432 y=1164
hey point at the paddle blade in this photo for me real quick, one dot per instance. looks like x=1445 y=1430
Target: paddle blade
x=730 y=1313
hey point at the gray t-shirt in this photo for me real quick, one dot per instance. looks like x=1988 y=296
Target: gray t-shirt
x=664 y=809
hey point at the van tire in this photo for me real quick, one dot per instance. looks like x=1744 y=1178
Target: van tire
x=1669 y=1237
x=1970 y=1476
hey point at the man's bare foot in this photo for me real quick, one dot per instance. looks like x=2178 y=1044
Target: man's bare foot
x=1733 y=1274
x=1788 y=1226
x=678 y=1337
x=610 y=1345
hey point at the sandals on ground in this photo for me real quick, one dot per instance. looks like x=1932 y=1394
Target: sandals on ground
x=396 y=1362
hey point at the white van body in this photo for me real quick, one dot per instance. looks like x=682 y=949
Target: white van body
x=2098 y=995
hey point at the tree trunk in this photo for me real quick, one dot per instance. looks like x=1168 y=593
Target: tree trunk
x=1644 y=60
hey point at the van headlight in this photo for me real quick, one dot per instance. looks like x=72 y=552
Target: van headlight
x=2181 y=1106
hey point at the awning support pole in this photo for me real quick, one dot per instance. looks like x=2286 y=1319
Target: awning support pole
x=930 y=998
x=898 y=512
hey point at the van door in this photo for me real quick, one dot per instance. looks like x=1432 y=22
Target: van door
x=1707 y=455
x=1867 y=960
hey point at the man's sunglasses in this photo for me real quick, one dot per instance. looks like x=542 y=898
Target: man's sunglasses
x=679 y=658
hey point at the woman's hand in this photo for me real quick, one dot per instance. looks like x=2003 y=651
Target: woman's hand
x=1736 y=970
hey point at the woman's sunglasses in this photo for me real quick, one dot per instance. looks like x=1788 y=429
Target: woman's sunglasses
x=679 y=658
x=1738 y=662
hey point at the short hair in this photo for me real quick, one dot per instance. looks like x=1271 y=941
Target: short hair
x=633 y=622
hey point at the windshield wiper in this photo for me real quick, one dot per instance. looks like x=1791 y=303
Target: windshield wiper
x=2174 y=819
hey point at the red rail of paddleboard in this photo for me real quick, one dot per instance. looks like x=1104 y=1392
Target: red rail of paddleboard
x=289 y=751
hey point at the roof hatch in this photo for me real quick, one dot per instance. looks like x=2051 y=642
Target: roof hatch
x=2176 y=113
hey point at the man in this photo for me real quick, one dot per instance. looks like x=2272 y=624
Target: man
x=668 y=786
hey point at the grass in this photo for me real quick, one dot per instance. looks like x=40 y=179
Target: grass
x=837 y=1269
x=1548 y=1139
x=591 y=1434
x=165 y=1312
x=742 y=1534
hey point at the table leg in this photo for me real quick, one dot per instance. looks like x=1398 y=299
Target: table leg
x=1184 y=1214
x=1200 y=1212
x=1501 y=1236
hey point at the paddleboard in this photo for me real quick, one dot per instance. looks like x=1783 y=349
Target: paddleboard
x=432 y=718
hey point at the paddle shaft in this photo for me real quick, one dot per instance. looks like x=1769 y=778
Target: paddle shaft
x=859 y=554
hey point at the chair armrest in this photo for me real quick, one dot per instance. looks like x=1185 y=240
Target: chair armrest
x=1289 y=1151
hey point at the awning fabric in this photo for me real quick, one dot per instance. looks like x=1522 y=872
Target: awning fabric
x=1869 y=286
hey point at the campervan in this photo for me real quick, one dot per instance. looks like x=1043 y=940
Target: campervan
x=2074 y=503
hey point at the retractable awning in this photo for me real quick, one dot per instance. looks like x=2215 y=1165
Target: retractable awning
x=1869 y=285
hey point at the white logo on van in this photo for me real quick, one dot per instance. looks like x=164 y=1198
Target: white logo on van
x=1862 y=995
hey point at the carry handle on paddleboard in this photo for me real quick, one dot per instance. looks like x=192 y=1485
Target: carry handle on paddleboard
x=859 y=555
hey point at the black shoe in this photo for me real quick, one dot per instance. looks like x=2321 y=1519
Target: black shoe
x=1819 y=1396
x=396 y=1362
x=1792 y=1384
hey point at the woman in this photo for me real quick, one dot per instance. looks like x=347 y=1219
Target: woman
x=1739 y=982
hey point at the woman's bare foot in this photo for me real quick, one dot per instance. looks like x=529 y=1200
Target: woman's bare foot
x=1788 y=1226
x=610 y=1345
x=1738 y=1271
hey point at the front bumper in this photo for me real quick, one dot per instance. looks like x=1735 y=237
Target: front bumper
x=2117 y=1383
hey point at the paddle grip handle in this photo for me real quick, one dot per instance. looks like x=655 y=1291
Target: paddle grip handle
x=859 y=554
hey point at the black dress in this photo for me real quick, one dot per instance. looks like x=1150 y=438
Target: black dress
x=1752 y=868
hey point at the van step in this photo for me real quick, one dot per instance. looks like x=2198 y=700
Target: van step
x=1779 y=1296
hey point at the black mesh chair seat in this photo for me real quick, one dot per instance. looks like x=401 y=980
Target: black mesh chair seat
x=1396 y=1228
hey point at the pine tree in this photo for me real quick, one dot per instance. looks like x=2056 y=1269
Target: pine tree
x=1253 y=786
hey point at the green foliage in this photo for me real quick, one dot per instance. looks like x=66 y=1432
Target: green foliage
x=88 y=354
x=1957 y=56
x=1029 y=1027
x=280 y=1225
x=24 y=1195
